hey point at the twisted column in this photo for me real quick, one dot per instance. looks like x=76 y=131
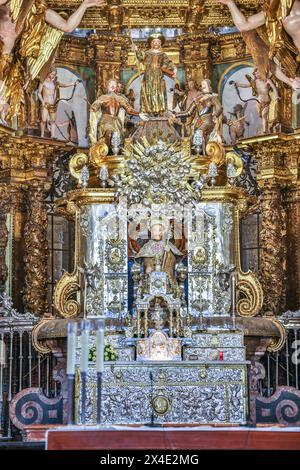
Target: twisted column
x=272 y=236
x=36 y=251
x=4 y=209
x=292 y=199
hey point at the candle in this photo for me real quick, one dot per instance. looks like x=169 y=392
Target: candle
x=221 y=356
x=84 y=341
x=71 y=347
x=2 y=352
x=233 y=292
x=100 y=346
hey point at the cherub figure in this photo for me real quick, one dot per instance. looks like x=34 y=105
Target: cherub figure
x=262 y=89
x=30 y=33
x=237 y=122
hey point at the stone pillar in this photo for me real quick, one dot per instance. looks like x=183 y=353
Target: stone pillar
x=36 y=251
x=272 y=239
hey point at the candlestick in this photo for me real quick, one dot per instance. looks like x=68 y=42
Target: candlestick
x=71 y=355
x=84 y=341
x=233 y=298
x=84 y=364
x=99 y=364
x=71 y=347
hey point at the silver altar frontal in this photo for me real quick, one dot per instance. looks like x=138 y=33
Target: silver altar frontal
x=207 y=390
x=160 y=392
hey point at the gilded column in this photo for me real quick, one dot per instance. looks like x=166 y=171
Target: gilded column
x=115 y=15
x=4 y=209
x=194 y=15
x=272 y=240
x=18 y=219
x=109 y=55
x=285 y=112
x=36 y=251
x=292 y=200
x=196 y=57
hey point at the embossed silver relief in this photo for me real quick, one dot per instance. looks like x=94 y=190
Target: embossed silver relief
x=104 y=256
x=115 y=255
x=116 y=295
x=93 y=289
x=223 y=340
x=116 y=266
x=195 y=394
x=210 y=259
x=212 y=354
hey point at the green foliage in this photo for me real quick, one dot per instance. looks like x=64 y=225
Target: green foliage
x=109 y=353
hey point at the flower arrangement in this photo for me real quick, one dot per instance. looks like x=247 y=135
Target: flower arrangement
x=109 y=353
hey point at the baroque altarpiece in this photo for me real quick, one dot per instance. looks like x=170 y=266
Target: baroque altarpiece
x=149 y=177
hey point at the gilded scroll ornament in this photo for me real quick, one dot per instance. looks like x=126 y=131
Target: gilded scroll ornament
x=277 y=343
x=65 y=295
x=65 y=298
x=76 y=163
x=38 y=346
x=250 y=293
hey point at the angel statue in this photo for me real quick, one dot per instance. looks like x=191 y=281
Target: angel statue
x=29 y=35
x=107 y=114
x=265 y=93
x=278 y=39
x=156 y=62
x=237 y=122
x=207 y=115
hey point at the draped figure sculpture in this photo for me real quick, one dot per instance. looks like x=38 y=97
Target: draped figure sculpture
x=107 y=114
x=206 y=115
x=153 y=89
